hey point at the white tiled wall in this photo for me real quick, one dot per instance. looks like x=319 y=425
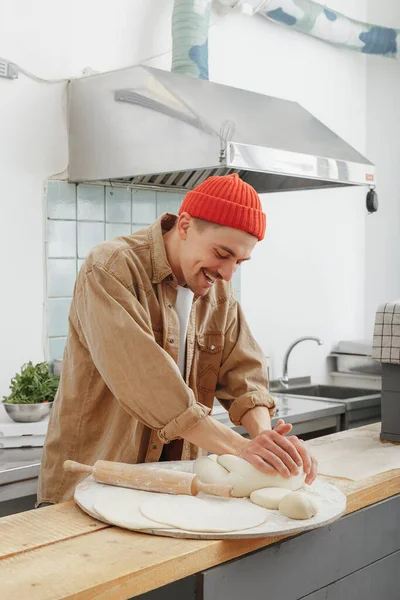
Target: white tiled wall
x=78 y=218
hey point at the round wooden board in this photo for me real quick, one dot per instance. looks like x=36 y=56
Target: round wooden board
x=332 y=504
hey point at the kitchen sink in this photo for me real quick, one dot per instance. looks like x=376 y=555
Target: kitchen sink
x=362 y=405
x=331 y=392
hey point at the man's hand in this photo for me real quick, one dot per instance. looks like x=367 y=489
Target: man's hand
x=310 y=465
x=271 y=452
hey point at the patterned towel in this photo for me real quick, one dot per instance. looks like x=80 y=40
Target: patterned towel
x=386 y=344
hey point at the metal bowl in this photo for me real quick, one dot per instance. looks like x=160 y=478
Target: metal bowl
x=28 y=413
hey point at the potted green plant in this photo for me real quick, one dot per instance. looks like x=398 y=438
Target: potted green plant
x=32 y=393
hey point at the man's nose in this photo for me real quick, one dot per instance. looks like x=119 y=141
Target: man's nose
x=227 y=271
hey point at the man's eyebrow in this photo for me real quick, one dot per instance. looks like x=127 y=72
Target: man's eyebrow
x=231 y=252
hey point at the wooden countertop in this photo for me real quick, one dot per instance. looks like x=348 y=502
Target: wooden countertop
x=59 y=552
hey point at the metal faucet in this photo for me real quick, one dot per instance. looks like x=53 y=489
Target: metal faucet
x=284 y=380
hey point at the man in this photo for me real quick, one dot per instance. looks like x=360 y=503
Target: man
x=155 y=335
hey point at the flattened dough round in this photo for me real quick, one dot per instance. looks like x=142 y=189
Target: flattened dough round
x=120 y=506
x=269 y=497
x=298 y=505
x=246 y=479
x=208 y=514
x=209 y=470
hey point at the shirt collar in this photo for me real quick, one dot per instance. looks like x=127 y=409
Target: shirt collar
x=161 y=267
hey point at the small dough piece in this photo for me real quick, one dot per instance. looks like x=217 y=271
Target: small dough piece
x=298 y=505
x=213 y=456
x=210 y=514
x=246 y=479
x=209 y=471
x=269 y=497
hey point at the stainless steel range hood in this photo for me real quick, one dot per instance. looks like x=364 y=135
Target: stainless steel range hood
x=144 y=126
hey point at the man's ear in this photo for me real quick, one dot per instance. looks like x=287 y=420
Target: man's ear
x=184 y=223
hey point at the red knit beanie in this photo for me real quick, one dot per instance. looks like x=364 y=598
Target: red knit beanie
x=227 y=201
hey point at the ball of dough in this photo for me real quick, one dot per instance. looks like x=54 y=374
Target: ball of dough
x=246 y=479
x=298 y=505
x=269 y=497
x=209 y=471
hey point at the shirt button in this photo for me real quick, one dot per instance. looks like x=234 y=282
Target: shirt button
x=154 y=446
x=169 y=305
x=171 y=340
x=212 y=347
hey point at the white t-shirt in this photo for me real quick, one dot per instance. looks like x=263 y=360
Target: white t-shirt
x=183 y=307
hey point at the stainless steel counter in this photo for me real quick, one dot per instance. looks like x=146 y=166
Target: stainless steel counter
x=306 y=416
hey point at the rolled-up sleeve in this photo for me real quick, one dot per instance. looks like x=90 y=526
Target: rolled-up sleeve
x=243 y=380
x=142 y=376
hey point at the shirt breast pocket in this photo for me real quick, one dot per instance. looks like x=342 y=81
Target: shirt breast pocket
x=209 y=347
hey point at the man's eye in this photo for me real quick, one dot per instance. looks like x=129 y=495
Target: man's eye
x=220 y=255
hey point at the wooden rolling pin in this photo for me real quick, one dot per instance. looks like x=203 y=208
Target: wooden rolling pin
x=149 y=479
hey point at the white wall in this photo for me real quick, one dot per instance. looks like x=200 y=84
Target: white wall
x=32 y=146
x=306 y=278
x=383 y=145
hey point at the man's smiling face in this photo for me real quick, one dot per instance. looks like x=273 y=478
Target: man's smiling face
x=209 y=252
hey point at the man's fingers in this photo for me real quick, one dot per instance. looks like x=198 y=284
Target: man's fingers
x=288 y=447
x=275 y=461
x=283 y=428
x=260 y=464
x=303 y=451
x=306 y=456
x=287 y=460
x=313 y=471
x=266 y=461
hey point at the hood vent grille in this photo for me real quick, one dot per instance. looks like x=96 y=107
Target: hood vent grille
x=180 y=180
